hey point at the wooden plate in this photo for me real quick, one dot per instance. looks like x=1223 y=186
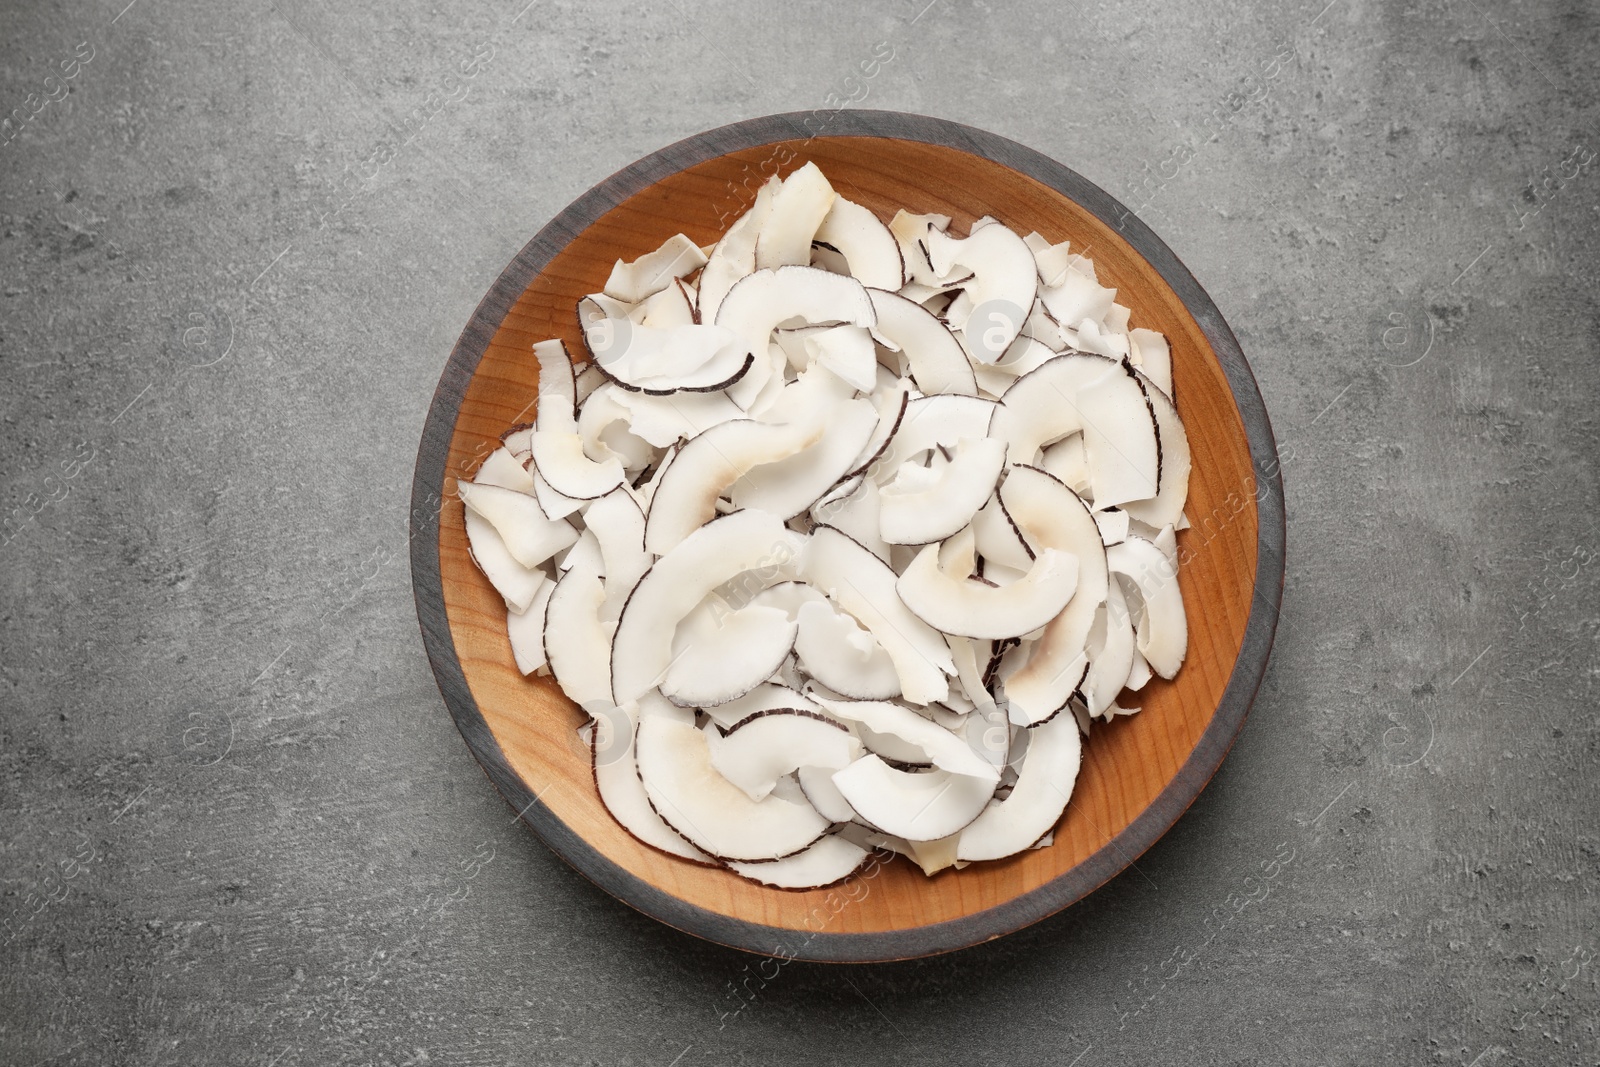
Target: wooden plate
x=1139 y=773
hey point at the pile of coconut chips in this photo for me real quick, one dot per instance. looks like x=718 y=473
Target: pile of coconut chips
x=834 y=524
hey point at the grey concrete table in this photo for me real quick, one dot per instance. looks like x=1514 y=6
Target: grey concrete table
x=236 y=822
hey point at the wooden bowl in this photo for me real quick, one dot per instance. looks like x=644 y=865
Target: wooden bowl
x=1139 y=773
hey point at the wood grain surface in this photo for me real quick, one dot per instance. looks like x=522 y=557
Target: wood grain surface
x=1139 y=773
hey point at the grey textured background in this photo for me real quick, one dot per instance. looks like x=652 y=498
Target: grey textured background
x=236 y=822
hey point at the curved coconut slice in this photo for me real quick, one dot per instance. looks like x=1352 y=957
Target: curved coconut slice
x=1067 y=676
x=525 y=631
x=759 y=302
x=1111 y=650
x=616 y=778
x=781 y=468
x=557 y=449
x=561 y=461
x=517 y=584
x=788 y=486
x=864 y=586
x=720 y=653
x=870 y=250
x=931 y=421
x=688 y=358
x=505 y=470
x=709 y=811
x=798 y=209
x=655 y=271
x=933 y=357
x=1163 y=630
x=1100 y=398
x=910 y=232
x=527 y=534
x=1052 y=517
x=816 y=785
x=973 y=609
x=685 y=499
x=891 y=403
x=837 y=652
x=941 y=747
x=1044 y=784
x=576 y=640
x=767 y=696
x=746 y=541
x=829 y=861
x=770 y=744
x=618 y=526
x=1004 y=282
x=734 y=255
x=922 y=806
x=1043 y=406
x=922 y=506
x=1150 y=352
x=1166 y=507
x=558 y=389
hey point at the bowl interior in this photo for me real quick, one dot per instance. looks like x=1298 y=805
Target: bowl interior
x=1126 y=764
